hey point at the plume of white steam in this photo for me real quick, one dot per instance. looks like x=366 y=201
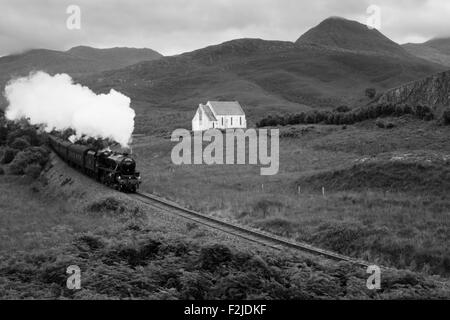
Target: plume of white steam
x=57 y=103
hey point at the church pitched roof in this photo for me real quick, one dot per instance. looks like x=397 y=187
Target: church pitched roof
x=226 y=108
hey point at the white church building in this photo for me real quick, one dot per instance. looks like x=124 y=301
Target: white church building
x=219 y=115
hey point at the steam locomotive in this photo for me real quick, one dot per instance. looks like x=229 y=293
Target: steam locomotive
x=116 y=170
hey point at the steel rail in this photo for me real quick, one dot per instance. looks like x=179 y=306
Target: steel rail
x=249 y=234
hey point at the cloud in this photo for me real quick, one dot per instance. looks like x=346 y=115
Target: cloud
x=175 y=26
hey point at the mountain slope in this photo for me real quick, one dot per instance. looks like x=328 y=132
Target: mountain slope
x=114 y=58
x=432 y=91
x=435 y=50
x=341 y=34
x=265 y=76
x=76 y=61
x=331 y=64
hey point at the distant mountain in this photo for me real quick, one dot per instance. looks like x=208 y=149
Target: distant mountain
x=435 y=50
x=441 y=44
x=267 y=76
x=114 y=58
x=341 y=34
x=331 y=64
x=76 y=61
x=42 y=59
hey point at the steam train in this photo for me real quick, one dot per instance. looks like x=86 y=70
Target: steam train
x=116 y=170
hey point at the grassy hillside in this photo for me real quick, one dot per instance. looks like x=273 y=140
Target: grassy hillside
x=386 y=176
x=114 y=58
x=127 y=252
x=386 y=190
x=332 y=64
x=76 y=61
x=265 y=75
x=435 y=50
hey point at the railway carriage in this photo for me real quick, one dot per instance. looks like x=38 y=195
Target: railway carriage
x=90 y=161
x=76 y=155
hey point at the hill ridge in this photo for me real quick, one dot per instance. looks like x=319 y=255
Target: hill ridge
x=343 y=34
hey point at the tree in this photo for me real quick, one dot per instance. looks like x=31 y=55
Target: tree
x=446 y=116
x=8 y=155
x=343 y=108
x=371 y=93
x=20 y=144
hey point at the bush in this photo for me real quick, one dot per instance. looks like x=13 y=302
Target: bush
x=343 y=115
x=446 y=116
x=370 y=93
x=342 y=109
x=390 y=125
x=28 y=133
x=108 y=204
x=20 y=144
x=18 y=167
x=380 y=123
x=3 y=134
x=211 y=257
x=8 y=155
x=32 y=155
x=384 y=124
x=33 y=170
x=2 y=171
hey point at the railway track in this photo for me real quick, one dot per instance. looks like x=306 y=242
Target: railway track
x=249 y=234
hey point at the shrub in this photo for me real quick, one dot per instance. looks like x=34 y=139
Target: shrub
x=380 y=123
x=8 y=155
x=370 y=93
x=33 y=170
x=446 y=116
x=2 y=171
x=108 y=204
x=384 y=124
x=343 y=115
x=20 y=144
x=310 y=117
x=28 y=133
x=18 y=167
x=390 y=125
x=211 y=257
x=342 y=109
x=349 y=118
x=32 y=155
x=3 y=134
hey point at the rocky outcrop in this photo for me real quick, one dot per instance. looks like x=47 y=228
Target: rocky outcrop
x=433 y=91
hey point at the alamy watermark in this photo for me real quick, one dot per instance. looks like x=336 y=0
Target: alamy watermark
x=374 y=280
x=374 y=17
x=231 y=147
x=74 y=280
x=73 y=22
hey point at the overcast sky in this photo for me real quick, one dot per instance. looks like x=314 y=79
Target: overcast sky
x=176 y=26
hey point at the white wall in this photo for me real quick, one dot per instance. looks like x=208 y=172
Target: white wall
x=198 y=125
x=231 y=122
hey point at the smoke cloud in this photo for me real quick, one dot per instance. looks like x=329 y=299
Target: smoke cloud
x=57 y=103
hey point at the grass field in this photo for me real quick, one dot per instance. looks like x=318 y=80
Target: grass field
x=127 y=252
x=386 y=196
